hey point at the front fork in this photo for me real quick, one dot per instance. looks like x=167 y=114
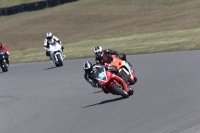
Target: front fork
x=117 y=83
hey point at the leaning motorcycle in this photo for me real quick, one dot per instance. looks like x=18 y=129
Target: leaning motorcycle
x=56 y=53
x=4 y=60
x=112 y=83
x=125 y=70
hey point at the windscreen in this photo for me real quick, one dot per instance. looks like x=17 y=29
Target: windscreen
x=100 y=73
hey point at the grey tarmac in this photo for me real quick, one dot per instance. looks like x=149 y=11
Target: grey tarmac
x=40 y=98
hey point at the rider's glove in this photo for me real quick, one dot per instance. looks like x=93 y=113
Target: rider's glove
x=120 y=56
x=7 y=52
x=112 y=68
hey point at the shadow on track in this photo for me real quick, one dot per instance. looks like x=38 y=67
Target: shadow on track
x=50 y=68
x=97 y=92
x=106 y=101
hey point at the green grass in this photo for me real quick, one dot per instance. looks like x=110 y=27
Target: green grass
x=136 y=44
x=131 y=26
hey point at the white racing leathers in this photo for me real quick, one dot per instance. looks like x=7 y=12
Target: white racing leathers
x=47 y=42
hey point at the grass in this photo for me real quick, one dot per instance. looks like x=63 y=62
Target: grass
x=131 y=26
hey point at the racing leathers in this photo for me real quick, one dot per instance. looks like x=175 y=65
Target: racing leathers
x=102 y=60
x=3 y=47
x=90 y=77
x=47 y=42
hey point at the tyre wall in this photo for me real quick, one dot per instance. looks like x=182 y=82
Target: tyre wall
x=32 y=6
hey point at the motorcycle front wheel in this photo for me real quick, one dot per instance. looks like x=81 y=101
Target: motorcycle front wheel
x=119 y=91
x=59 y=60
x=4 y=67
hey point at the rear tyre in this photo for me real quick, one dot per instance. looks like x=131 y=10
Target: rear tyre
x=127 y=78
x=119 y=91
x=59 y=60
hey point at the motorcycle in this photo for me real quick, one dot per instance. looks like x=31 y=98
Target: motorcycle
x=4 y=60
x=112 y=83
x=125 y=70
x=56 y=53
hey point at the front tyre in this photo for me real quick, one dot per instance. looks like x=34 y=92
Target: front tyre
x=4 y=67
x=59 y=60
x=119 y=91
x=57 y=65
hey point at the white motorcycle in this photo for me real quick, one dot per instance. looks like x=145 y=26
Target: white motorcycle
x=55 y=50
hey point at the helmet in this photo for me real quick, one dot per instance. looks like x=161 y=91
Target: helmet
x=49 y=35
x=0 y=46
x=98 y=51
x=87 y=66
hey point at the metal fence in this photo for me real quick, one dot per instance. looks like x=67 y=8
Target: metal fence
x=31 y=6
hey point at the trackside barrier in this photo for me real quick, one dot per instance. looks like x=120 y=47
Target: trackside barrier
x=32 y=6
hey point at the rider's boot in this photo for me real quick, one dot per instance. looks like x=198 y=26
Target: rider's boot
x=50 y=58
x=62 y=51
x=135 y=79
x=8 y=61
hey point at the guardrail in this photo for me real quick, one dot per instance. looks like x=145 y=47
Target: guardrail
x=31 y=6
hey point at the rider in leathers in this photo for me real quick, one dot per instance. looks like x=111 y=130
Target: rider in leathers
x=3 y=47
x=101 y=55
x=90 y=76
x=50 y=38
x=104 y=56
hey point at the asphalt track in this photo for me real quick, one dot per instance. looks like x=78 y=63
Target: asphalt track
x=40 y=98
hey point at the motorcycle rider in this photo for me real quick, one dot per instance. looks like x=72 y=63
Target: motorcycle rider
x=90 y=76
x=3 y=47
x=101 y=55
x=50 y=38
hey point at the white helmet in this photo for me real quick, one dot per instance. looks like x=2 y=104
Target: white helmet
x=49 y=35
x=98 y=51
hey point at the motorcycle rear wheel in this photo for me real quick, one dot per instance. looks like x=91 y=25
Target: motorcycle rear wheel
x=127 y=78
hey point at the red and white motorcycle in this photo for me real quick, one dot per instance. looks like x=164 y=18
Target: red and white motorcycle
x=112 y=83
x=126 y=71
x=55 y=50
